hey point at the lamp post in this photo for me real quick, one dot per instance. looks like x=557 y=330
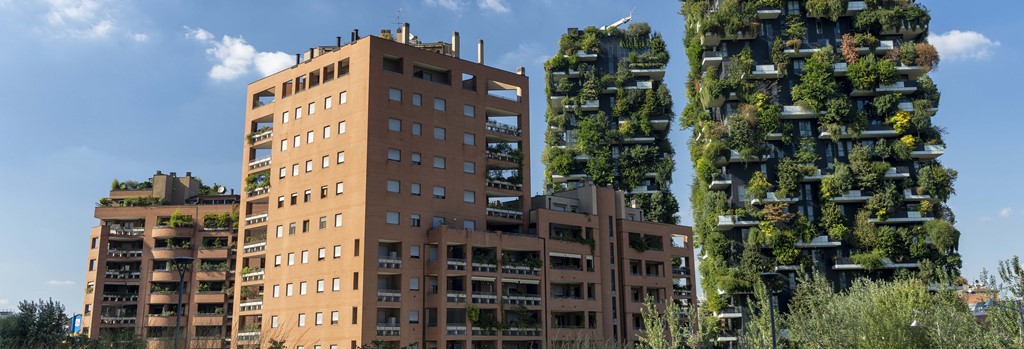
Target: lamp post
x=182 y=264
x=771 y=303
x=1020 y=312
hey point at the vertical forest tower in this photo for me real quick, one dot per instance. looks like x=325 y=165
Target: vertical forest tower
x=813 y=144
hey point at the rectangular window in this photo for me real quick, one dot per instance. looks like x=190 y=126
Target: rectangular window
x=295 y=170
x=319 y=287
x=92 y=265
x=298 y=113
x=273 y=321
x=334 y=321
x=284 y=144
x=327 y=102
x=394 y=155
x=394 y=125
x=280 y=231
x=302 y=319
x=414 y=189
x=291 y=258
x=417 y=129
x=414 y=284
x=325 y=161
x=321 y=254
x=439 y=133
x=337 y=251
x=391 y=217
x=469 y=167
x=327 y=131
x=343 y=97
x=277 y=260
x=469 y=196
x=469 y=224
x=309 y=165
x=355 y=318
x=296 y=141
x=282 y=172
x=439 y=192
x=306 y=195
x=309 y=137
x=339 y=188
x=468 y=139
x=394 y=186
x=416 y=158
x=338 y=220
x=417 y=99
x=439 y=162
x=319 y=320
x=284 y=117
x=277 y=291
x=341 y=128
x=355 y=280
x=395 y=94
x=439 y=104
x=291 y=227
x=305 y=256
x=341 y=157
x=288 y=290
x=414 y=251
x=414 y=316
x=312 y=108
x=336 y=284
x=414 y=220
x=323 y=225
x=302 y=288
x=469 y=110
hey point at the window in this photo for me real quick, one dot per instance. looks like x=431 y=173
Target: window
x=798 y=65
x=288 y=290
x=302 y=288
x=417 y=99
x=295 y=170
x=395 y=94
x=327 y=102
x=414 y=251
x=414 y=220
x=277 y=260
x=321 y=254
x=416 y=158
x=334 y=321
x=319 y=318
x=282 y=172
x=394 y=125
x=341 y=128
x=468 y=139
x=355 y=280
x=394 y=155
x=391 y=217
x=414 y=189
x=280 y=231
x=327 y=131
x=284 y=144
x=439 y=162
x=291 y=229
x=339 y=188
x=273 y=321
x=277 y=291
x=296 y=141
x=439 y=133
x=417 y=129
x=355 y=318
x=92 y=265
x=338 y=220
x=280 y=201
x=793 y=8
x=309 y=137
x=337 y=251
x=439 y=192
x=343 y=97
x=394 y=186
x=414 y=316
x=298 y=113
x=325 y=161
x=469 y=224
x=336 y=284
x=323 y=225
x=312 y=108
x=469 y=167
x=309 y=165
x=284 y=117
x=319 y=287
x=439 y=104
x=291 y=258
x=469 y=196
x=305 y=256
x=306 y=195
x=414 y=284
x=341 y=157
x=302 y=319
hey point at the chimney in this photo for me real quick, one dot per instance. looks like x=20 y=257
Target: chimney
x=159 y=173
x=405 y=33
x=521 y=71
x=174 y=174
x=337 y=41
x=455 y=44
x=356 y=33
x=298 y=58
x=352 y=37
x=480 y=52
x=188 y=174
x=311 y=52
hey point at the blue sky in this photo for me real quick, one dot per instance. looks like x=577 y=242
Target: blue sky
x=101 y=89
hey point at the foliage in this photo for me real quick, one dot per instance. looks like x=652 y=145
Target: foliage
x=945 y=237
x=790 y=172
x=257 y=180
x=131 y=185
x=179 y=220
x=886 y=200
x=662 y=330
x=851 y=44
x=868 y=173
x=817 y=85
x=795 y=32
x=758 y=187
x=35 y=325
x=833 y=221
x=217 y=221
x=830 y=9
x=659 y=207
x=937 y=181
x=863 y=73
x=927 y=56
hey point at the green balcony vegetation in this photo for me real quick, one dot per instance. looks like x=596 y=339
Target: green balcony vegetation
x=251 y=137
x=886 y=14
x=131 y=185
x=220 y=220
x=830 y=9
x=257 y=180
x=178 y=220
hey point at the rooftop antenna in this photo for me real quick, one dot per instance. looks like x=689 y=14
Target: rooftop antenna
x=398 y=17
x=621 y=21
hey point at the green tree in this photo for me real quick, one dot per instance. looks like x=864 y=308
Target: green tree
x=36 y=325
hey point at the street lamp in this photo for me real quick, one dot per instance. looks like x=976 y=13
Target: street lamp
x=1020 y=312
x=182 y=264
x=771 y=303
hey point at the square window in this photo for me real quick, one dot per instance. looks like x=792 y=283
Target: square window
x=468 y=139
x=394 y=155
x=439 y=104
x=341 y=157
x=343 y=97
x=469 y=167
x=414 y=189
x=395 y=94
x=417 y=99
x=469 y=224
x=341 y=128
x=394 y=186
x=469 y=196
x=416 y=158
x=439 y=192
x=439 y=162
x=417 y=129
x=469 y=110
x=394 y=125
x=391 y=217
x=439 y=133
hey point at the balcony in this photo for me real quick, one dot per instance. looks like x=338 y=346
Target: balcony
x=481 y=297
x=455 y=296
x=455 y=329
x=769 y=13
x=456 y=264
x=503 y=130
x=850 y=197
x=766 y=71
x=839 y=69
x=729 y=222
x=709 y=39
x=117 y=320
x=253 y=275
x=906 y=217
x=729 y=313
x=928 y=151
x=772 y=198
x=910 y=195
x=655 y=73
x=801 y=52
x=815 y=176
x=248 y=337
x=524 y=299
x=897 y=173
x=392 y=296
x=846 y=263
x=259 y=163
x=256 y=219
x=736 y=157
x=126 y=231
x=590 y=105
x=586 y=57
x=124 y=253
x=250 y=306
x=796 y=112
x=120 y=297
x=728 y=336
x=720 y=182
x=712 y=59
x=638 y=140
x=852 y=8
x=389 y=329
x=774 y=136
x=908 y=29
x=559 y=75
x=521 y=332
x=391 y=261
x=903 y=87
x=680 y=271
x=820 y=241
x=872 y=131
x=254 y=247
x=505 y=213
x=259 y=137
x=502 y=185
x=909 y=107
x=123 y=274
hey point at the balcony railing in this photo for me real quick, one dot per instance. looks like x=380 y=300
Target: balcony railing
x=504 y=213
x=134 y=231
x=123 y=274
x=821 y=241
x=528 y=299
x=390 y=329
x=455 y=329
x=521 y=332
x=456 y=264
x=256 y=219
x=496 y=184
x=519 y=270
x=256 y=138
x=254 y=275
x=481 y=297
x=251 y=306
x=391 y=262
x=247 y=337
x=258 y=163
x=124 y=253
x=117 y=320
x=499 y=128
x=456 y=296
x=254 y=247
x=120 y=297
x=386 y=295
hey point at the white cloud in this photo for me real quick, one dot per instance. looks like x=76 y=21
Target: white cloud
x=63 y=11
x=100 y=30
x=60 y=282
x=80 y=19
x=448 y=4
x=969 y=45
x=1005 y=212
x=235 y=57
x=986 y=219
x=524 y=55
x=140 y=37
x=494 y=5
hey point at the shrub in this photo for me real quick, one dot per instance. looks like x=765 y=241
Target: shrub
x=816 y=85
x=863 y=74
x=927 y=56
x=830 y=9
x=180 y=220
x=886 y=72
x=758 y=186
x=900 y=122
